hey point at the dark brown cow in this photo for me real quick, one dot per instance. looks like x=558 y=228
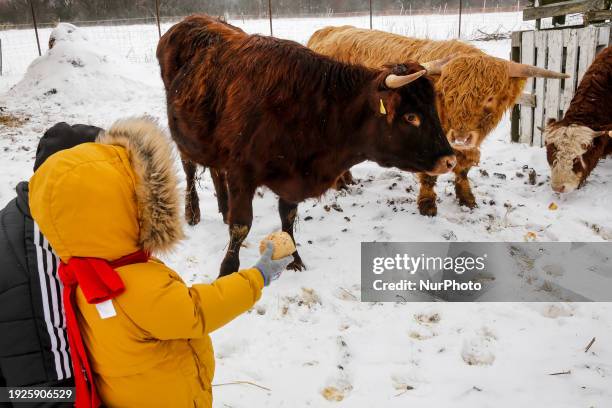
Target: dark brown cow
x=262 y=111
x=575 y=143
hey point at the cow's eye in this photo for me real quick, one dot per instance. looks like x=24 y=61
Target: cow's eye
x=413 y=119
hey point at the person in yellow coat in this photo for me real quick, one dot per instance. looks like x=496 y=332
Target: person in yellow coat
x=106 y=208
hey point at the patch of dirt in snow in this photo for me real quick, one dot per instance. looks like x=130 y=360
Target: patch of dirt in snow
x=555 y=310
x=10 y=120
x=339 y=386
x=478 y=349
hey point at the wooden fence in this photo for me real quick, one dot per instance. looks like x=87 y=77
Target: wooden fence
x=568 y=50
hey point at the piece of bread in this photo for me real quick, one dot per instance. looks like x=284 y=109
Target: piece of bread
x=283 y=244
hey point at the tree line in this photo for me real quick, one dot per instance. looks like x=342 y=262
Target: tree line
x=48 y=11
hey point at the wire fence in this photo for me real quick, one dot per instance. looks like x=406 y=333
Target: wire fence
x=136 y=38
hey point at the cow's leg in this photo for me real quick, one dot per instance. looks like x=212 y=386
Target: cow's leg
x=192 y=202
x=240 y=218
x=344 y=180
x=288 y=213
x=220 y=183
x=462 y=188
x=427 y=195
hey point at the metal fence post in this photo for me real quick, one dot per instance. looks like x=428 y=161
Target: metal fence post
x=370 y=14
x=35 y=27
x=270 y=15
x=0 y=56
x=157 y=16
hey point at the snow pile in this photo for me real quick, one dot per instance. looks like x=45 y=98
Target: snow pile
x=75 y=72
x=67 y=32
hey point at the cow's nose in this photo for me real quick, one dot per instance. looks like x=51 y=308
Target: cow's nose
x=443 y=165
x=559 y=188
x=462 y=140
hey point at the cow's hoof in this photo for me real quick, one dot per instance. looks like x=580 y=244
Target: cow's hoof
x=341 y=186
x=297 y=264
x=469 y=202
x=344 y=181
x=192 y=217
x=427 y=207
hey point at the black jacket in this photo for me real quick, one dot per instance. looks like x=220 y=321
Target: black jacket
x=33 y=339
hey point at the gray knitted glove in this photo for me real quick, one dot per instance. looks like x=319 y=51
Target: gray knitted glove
x=270 y=268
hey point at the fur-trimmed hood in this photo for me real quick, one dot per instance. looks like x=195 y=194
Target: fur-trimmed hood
x=110 y=198
x=157 y=187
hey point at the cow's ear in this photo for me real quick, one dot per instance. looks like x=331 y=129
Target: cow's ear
x=387 y=104
x=550 y=121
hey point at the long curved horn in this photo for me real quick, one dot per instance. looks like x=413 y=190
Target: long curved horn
x=435 y=67
x=397 y=81
x=517 y=70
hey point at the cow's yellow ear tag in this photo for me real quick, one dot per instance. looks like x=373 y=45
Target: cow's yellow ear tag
x=383 y=111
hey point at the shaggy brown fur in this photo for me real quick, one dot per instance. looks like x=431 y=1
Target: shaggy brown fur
x=577 y=142
x=157 y=195
x=473 y=90
x=265 y=111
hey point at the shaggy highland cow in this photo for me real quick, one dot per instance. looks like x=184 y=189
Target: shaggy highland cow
x=473 y=90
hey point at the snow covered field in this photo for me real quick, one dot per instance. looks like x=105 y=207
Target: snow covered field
x=309 y=335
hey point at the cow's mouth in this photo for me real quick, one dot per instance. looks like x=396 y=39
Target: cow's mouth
x=565 y=181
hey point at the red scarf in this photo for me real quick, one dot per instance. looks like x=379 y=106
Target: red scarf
x=99 y=282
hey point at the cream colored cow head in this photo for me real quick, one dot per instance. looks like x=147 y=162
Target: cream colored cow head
x=572 y=152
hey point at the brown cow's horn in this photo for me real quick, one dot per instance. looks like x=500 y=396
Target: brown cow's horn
x=517 y=70
x=397 y=81
x=435 y=67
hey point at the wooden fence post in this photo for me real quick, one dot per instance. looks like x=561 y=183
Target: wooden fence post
x=0 y=56
x=35 y=27
x=270 y=15
x=157 y=15
x=460 y=11
x=515 y=55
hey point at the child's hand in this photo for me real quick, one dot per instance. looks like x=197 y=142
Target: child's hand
x=270 y=268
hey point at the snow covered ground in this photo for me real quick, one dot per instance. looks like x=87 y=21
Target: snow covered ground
x=309 y=336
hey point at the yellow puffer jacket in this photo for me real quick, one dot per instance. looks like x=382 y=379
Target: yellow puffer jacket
x=112 y=198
